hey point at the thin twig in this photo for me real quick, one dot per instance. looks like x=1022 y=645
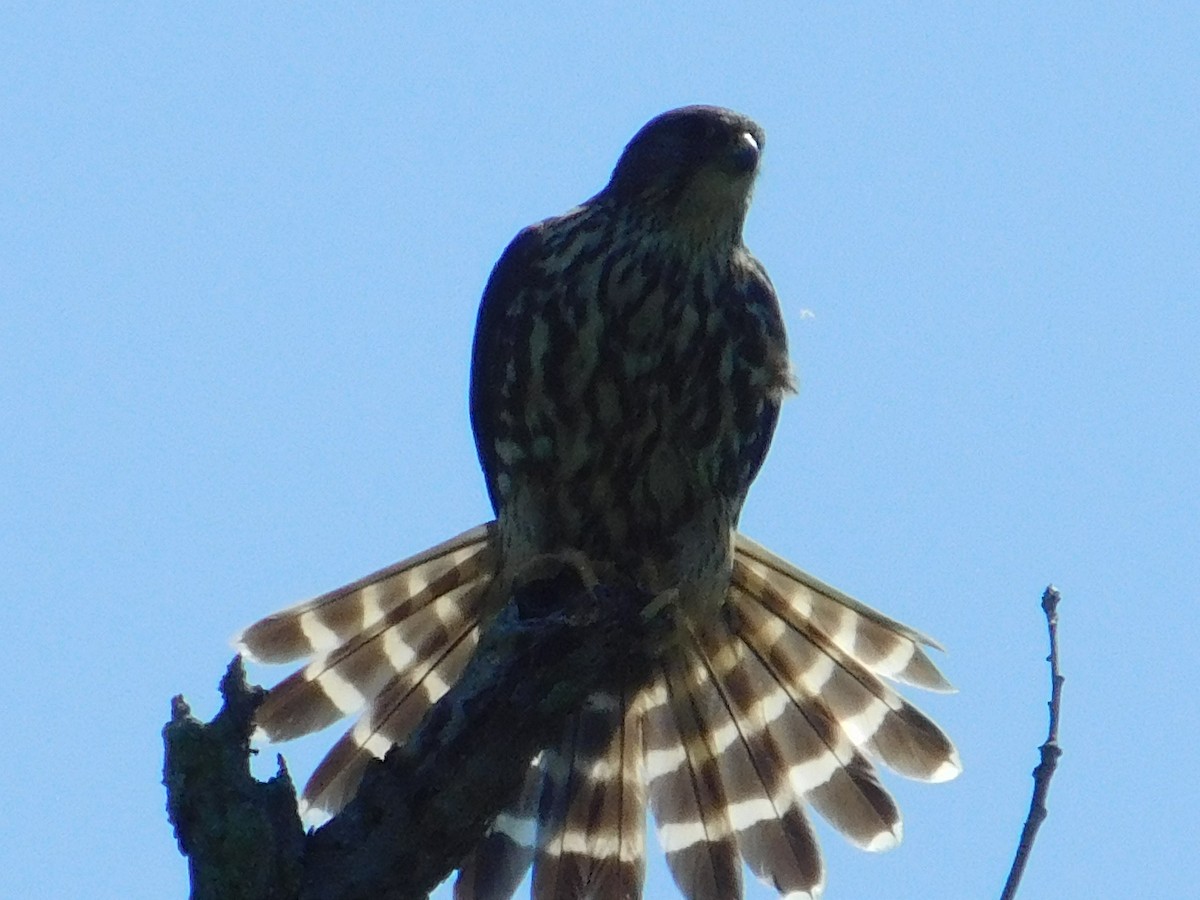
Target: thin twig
x=1050 y=753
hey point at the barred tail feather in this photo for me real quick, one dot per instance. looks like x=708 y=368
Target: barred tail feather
x=687 y=793
x=885 y=646
x=494 y=869
x=393 y=715
x=774 y=834
x=820 y=761
x=592 y=818
x=326 y=622
x=343 y=681
x=810 y=664
x=391 y=643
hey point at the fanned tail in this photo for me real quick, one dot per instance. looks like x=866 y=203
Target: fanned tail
x=823 y=645
x=782 y=701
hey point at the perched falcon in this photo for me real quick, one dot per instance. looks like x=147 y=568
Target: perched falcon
x=628 y=369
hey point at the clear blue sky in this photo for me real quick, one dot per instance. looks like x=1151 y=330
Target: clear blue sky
x=240 y=257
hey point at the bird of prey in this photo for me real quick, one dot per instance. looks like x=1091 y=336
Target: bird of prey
x=627 y=373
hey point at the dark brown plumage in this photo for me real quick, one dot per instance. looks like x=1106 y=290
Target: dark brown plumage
x=628 y=369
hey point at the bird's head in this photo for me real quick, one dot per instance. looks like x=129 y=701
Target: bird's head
x=692 y=168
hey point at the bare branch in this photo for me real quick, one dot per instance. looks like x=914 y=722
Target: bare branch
x=1050 y=753
x=242 y=838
